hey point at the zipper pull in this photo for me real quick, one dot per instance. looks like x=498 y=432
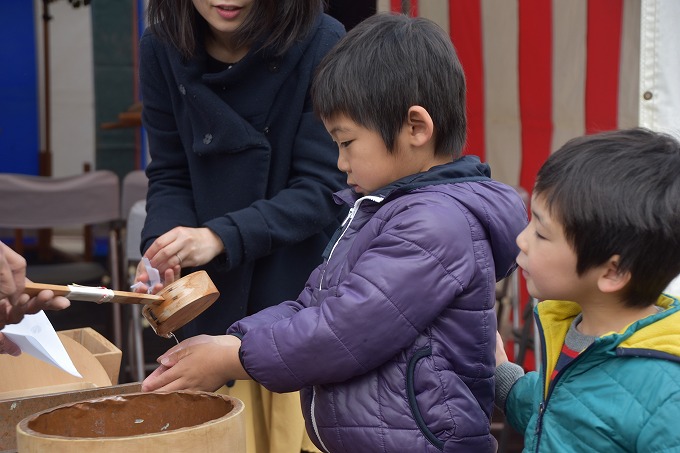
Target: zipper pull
x=350 y=215
x=539 y=420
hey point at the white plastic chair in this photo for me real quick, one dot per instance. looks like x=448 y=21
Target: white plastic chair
x=134 y=224
x=133 y=211
x=40 y=202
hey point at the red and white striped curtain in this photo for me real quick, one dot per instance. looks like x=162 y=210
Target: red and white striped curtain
x=539 y=72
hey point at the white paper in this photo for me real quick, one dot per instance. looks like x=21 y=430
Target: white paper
x=36 y=336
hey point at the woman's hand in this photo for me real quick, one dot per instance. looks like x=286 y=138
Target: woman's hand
x=142 y=279
x=184 y=247
x=202 y=362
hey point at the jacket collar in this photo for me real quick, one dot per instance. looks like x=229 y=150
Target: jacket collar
x=466 y=168
x=658 y=332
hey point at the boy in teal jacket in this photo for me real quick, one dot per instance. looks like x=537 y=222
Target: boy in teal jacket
x=602 y=244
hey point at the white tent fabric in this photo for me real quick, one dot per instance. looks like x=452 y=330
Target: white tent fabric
x=659 y=70
x=660 y=66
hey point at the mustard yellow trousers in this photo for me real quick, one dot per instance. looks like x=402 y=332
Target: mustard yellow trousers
x=274 y=422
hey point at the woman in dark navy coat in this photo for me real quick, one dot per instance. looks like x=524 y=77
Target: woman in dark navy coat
x=242 y=172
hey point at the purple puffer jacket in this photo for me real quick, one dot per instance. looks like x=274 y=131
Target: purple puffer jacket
x=391 y=342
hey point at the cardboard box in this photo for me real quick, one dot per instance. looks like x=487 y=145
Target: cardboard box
x=96 y=359
x=103 y=350
x=28 y=385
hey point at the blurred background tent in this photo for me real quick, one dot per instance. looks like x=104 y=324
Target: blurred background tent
x=538 y=72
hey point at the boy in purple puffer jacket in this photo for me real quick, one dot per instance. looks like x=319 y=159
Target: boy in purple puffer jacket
x=391 y=341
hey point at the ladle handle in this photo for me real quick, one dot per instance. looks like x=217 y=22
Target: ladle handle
x=94 y=294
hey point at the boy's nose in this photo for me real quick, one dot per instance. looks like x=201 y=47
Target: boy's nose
x=521 y=239
x=342 y=164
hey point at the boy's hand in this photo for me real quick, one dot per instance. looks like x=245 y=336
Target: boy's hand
x=202 y=362
x=501 y=356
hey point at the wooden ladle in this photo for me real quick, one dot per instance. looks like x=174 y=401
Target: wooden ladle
x=173 y=306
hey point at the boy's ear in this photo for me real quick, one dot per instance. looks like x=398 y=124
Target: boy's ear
x=420 y=125
x=612 y=279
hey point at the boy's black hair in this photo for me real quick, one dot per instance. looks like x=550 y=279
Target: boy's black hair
x=385 y=65
x=618 y=193
x=279 y=23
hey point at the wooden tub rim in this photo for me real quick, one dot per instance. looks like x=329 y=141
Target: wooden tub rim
x=238 y=408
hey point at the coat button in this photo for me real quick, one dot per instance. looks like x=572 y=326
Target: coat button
x=266 y=130
x=182 y=89
x=274 y=66
x=648 y=95
x=207 y=138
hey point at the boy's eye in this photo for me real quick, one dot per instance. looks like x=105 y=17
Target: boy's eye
x=345 y=144
x=539 y=235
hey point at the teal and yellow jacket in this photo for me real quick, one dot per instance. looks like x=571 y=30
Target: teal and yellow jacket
x=621 y=394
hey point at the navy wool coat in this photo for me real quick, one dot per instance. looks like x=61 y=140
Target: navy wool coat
x=239 y=150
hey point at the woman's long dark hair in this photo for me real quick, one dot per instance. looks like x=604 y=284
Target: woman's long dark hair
x=279 y=22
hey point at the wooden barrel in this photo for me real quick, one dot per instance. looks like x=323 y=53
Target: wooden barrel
x=181 y=421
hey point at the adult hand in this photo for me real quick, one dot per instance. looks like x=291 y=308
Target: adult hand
x=184 y=247
x=7 y=347
x=12 y=314
x=202 y=362
x=142 y=279
x=45 y=300
x=14 y=303
x=12 y=274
